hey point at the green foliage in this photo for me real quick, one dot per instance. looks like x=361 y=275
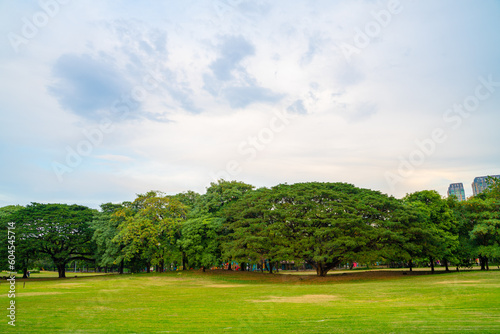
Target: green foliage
x=200 y=241
x=250 y=231
x=189 y=198
x=493 y=190
x=480 y=217
x=105 y=229
x=204 y=232
x=23 y=254
x=222 y=193
x=322 y=224
x=435 y=232
x=149 y=227
x=60 y=231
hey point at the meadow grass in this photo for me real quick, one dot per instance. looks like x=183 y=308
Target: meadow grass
x=239 y=302
x=52 y=274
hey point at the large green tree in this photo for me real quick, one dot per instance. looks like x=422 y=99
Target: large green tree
x=200 y=241
x=252 y=227
x=435 y=231
x=206 y=222
x=60 y=231
x=322 y=224
x=149 y=227
x=481 y=221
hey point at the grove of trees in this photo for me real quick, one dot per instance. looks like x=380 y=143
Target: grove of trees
x=322 y=225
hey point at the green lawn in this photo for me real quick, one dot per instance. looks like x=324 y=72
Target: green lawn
x=221 y=302
x=52 y=274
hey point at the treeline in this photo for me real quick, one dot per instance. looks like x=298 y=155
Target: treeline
x=319 y=224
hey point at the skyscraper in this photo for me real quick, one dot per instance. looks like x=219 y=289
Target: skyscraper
x=457 y=190
x=481 y=183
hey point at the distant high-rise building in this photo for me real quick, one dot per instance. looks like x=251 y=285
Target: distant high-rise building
x=481 y=183
x=457 y=190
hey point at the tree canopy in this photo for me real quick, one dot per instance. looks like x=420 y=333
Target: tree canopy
x=149 y=226
x=60 y=231
x=322 y=225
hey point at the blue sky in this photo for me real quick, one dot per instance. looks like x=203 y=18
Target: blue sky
x=104 y=100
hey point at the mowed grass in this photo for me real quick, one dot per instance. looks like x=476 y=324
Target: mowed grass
x=239 y=302
x=52 y=274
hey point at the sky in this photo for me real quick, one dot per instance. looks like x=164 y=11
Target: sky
x=103 y=100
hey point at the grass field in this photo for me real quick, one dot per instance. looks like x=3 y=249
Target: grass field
x=52 y=274
x=239 y=302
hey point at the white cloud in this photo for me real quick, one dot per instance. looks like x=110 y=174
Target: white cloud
x=223 y=71
x=114 y=158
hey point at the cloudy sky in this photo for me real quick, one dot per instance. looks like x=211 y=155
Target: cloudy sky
x=101 y=100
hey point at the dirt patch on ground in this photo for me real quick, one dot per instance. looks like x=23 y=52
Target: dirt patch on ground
x=109 y=290
x=306 y=299
x=224 y=285
x=165 y=278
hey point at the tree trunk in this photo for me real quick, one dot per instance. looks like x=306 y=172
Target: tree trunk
x=270 y=266
x=432 y=264
x=148 y=267
x=482 y=262
x=321 y=270
x=106 y=269
x=184 y=261
x=446 y=264
x=121 y=268
x=158 y=268
x=411 y=264
x=25 y=273
x=203 y=268
x=242 y=266
x=61 y=269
